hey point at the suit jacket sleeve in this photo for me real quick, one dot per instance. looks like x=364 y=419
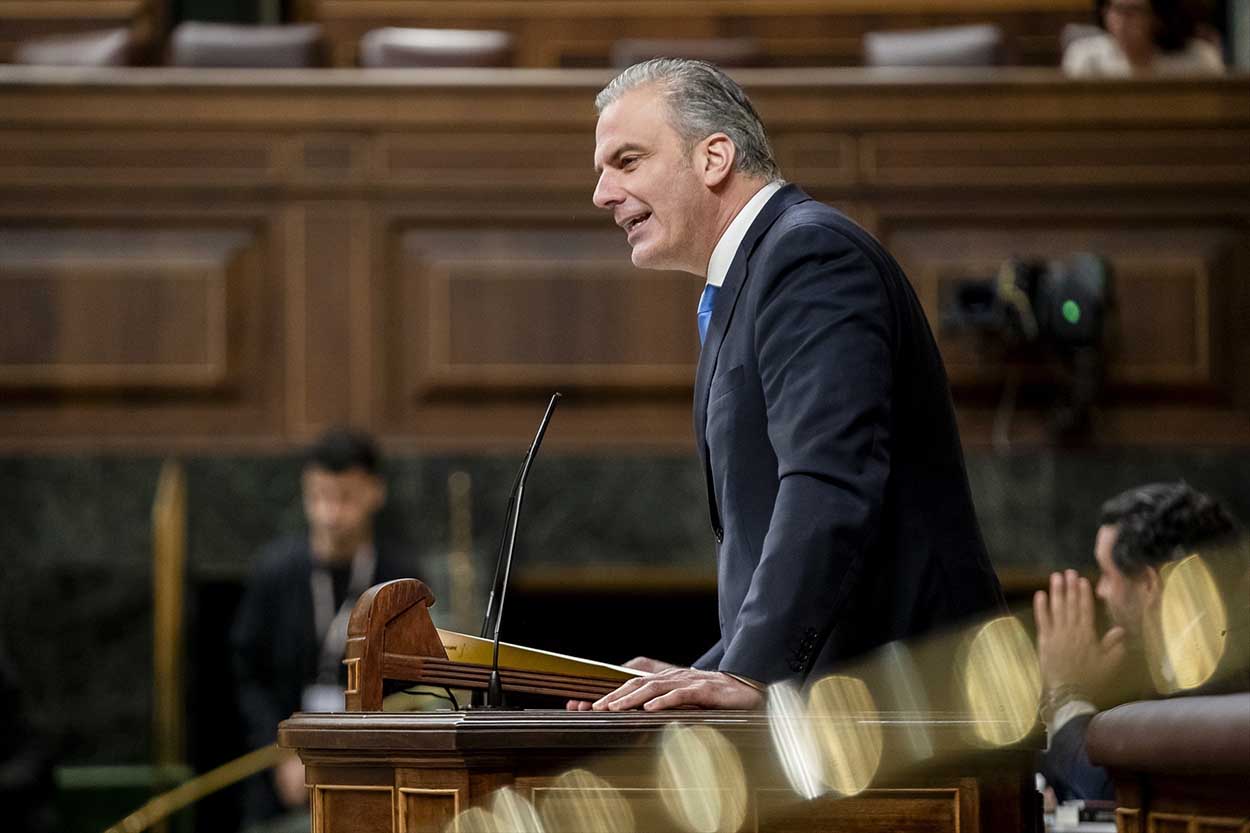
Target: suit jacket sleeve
x=711 y=658
x=823 y=333
x=252 y=641
x=1067 y=769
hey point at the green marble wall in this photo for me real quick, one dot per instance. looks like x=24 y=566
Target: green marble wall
x=75 y=552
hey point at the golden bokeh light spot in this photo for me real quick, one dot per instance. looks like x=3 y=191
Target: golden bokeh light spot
x=701 y=779
x=1002 y=683
x=473 y=820
x=513 y=814
x=850 y=745
x=581 y=802
x=792 y=737
x=1194 y=622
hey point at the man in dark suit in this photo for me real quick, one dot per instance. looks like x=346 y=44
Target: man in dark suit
x=291 y=627
x=1140 y=533
x=836 y=483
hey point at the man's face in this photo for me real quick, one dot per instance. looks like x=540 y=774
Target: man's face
x=1131 y=23
x=1125 y=597
x=340 y=507
x=649 y=180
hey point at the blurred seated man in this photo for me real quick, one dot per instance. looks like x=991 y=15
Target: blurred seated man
x=1143 y=37
x=1140 y=531
x=291 y=629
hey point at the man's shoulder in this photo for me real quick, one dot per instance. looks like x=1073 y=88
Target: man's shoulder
x=811 y=212
x=833 y=230
x=283 y=555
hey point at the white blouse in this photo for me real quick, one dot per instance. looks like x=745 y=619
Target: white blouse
x=1099 y=56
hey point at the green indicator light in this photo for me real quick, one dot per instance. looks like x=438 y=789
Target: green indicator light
x=1071 y=312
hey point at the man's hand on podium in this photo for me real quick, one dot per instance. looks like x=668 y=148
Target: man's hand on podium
x=651 y=666
x=680 y=687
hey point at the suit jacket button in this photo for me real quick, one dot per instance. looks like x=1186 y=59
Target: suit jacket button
x=720 y=534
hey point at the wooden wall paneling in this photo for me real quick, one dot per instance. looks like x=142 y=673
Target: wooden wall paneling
x=538 y=160
x=160 y=158
x=824 y=159
x=488 y=314
x=420 y=254
x=329 y=313
x=507 y=102
x=1055 y=158
x=430 y=798
x=369 y=806
x=1160 y=324
x=1012 y=102
x=112 y=308
x=129 y=326
x=1231 y=302
x=330 y=159
x=1168 y=338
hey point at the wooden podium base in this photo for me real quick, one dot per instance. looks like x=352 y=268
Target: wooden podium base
x=414 y=772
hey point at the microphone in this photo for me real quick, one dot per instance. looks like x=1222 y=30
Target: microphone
x=503 y=562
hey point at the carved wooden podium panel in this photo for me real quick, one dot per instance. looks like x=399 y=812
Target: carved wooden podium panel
x=412 y=773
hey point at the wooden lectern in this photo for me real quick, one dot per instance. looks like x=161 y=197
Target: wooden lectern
x=374 y=771
x=391 y=636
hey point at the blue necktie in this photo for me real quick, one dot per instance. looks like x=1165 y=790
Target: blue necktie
x=705 y=310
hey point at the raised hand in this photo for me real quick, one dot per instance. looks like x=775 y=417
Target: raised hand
x=1069 y=649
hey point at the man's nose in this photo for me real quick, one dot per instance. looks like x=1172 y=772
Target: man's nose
x=607 y=194
x=333 y=511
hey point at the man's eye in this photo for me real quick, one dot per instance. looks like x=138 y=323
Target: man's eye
x=628 y=161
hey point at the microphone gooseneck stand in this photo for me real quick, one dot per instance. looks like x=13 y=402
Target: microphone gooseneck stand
x=493 y=619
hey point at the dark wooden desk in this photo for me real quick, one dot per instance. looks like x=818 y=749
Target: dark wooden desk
x=1178 y=764
x=413 y=772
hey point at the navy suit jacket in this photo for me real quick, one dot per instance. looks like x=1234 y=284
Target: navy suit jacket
x=1067 y=769
x=835 y=477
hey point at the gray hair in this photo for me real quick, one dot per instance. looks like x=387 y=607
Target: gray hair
x=702 y=100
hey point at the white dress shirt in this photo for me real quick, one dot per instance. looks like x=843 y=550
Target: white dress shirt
x=723 y=255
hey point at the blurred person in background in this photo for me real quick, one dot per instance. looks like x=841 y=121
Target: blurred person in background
x=1140 y=532
x=291 y=629
x=1142 y=37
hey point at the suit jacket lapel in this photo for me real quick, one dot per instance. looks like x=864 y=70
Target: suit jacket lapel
x=726 y=300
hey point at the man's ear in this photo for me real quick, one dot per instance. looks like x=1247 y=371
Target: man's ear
x=1151 y=584
x=716 y=158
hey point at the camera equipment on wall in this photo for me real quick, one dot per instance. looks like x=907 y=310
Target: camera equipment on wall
x=1043 y=308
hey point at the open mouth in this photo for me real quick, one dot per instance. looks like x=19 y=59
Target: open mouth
x=633 y=223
